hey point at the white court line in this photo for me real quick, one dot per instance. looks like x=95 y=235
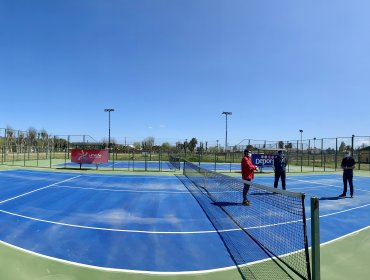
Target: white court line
x=347 y=210
x=113 y=229
x=127 y=176
x=344 y=236
x=142 y=231
x=122 y=190
x=138 y=191
x=131 y=176
x=141 y=271
x=130 y=270
x=48 y=186
x=325 y=185
x=314 y=183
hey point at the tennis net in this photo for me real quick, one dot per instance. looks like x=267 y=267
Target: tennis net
x=275 y=219
x=175 y=162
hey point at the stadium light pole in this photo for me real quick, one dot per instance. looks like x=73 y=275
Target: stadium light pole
x=301 y=131
x=109 y=110
x=226 y=114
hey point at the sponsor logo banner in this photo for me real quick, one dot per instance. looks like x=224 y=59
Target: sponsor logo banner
x=263 y=160
x=89 y=156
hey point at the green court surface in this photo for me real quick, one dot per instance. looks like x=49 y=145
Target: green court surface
x=347 y=258
x=18 y=264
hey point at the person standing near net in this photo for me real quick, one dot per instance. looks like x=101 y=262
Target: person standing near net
x=248 y=169
x=280 y=163
x=348 y=164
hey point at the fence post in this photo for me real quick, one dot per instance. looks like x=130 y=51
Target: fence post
x=297 y=152
x=65 y=158
x=336 y=154
x=49 y=153
x=308 y=152
x=215 y=160
x=322 y=149
x=113 y=159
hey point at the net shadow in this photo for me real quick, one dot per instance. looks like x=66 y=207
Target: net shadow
x=251 y=259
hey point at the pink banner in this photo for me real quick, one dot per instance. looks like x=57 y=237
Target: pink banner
x=89 y=156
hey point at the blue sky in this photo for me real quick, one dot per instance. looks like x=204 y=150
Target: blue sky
x=169 y=68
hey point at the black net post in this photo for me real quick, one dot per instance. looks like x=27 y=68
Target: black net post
x=315 y=237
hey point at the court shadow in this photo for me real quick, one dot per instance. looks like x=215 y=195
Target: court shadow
x=225 y=203
x=331 y=198
x=74 y=168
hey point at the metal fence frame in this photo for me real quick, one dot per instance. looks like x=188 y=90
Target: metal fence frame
x=309 y=155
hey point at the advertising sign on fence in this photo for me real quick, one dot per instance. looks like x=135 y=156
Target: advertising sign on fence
x=263 y=160
x=89 y=156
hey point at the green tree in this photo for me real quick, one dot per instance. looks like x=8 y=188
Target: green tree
x=281 y=144
x=137 y=145
x=342 y=147
x=148 y=143
x=289 y=146
x=31 y=136
x=9 y=137
x=192 y=144
x=166 y=146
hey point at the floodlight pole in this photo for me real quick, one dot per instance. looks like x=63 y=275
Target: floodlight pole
x=109 y=110
x=226 y=114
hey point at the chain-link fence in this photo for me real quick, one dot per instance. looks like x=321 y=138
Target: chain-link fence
x=317 y=154
x=37 y=149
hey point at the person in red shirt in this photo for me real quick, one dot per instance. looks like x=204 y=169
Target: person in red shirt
x=248 y=169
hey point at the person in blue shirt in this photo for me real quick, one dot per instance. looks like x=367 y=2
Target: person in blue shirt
x=348 y=164
x=280 y=163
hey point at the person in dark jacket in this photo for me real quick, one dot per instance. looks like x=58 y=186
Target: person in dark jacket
x=248 y=169
x=348 y=164
x=280 y=163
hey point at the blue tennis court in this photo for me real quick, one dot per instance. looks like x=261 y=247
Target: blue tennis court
x=156 y=166
x=146 y=223
x=124 y=164
x=338 y=216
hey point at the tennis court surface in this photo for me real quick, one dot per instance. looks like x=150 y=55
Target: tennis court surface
x=150 y=224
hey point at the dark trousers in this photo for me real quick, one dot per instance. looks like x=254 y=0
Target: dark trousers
x=245 y=190
x=279 y=175
x=348 y=177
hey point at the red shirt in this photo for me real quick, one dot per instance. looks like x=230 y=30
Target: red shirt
x=247 y=168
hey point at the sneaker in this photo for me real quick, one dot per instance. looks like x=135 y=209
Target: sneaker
x=351 y=195
x=342 y=195
x=246 y=202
